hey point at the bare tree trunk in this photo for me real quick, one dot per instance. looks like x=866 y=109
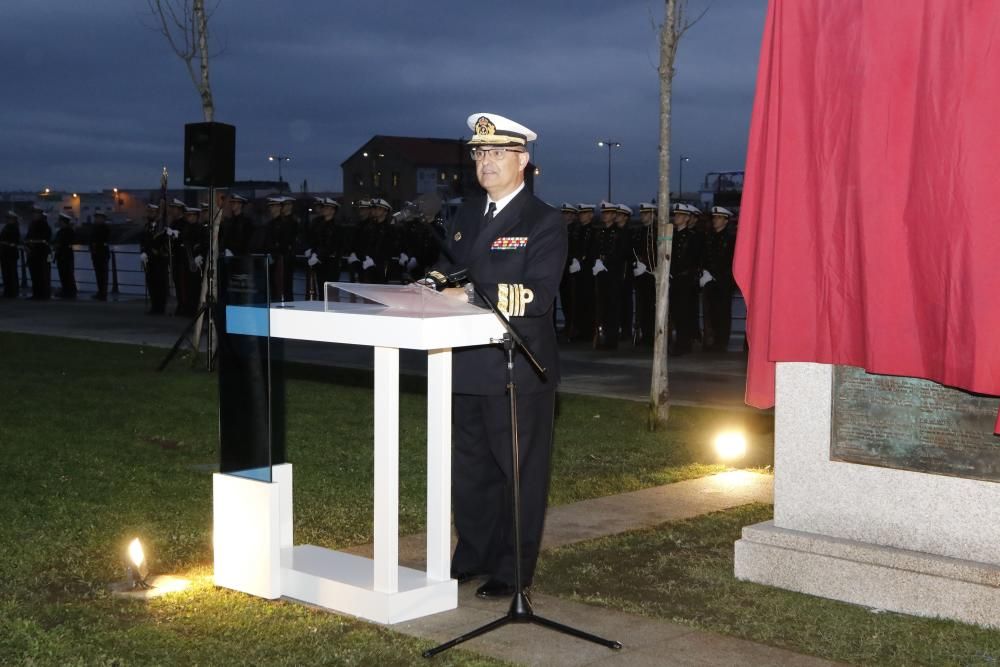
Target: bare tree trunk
x=659 y=390
x=205 y=86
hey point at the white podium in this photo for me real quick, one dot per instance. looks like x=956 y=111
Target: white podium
x=254 y=548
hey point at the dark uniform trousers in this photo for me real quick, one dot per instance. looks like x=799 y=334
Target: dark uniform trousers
x=522 y=251
x=486 y=536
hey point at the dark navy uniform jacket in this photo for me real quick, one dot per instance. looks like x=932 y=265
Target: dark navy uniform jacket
x=516 y=261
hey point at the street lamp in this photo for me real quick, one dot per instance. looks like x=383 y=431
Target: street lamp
x=279 y=159
x=680 y=176
x=610 y=144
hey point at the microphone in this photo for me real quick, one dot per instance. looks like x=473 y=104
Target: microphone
x=439 y=280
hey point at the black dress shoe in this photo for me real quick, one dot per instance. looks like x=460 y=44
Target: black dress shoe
x=494 y=588
x=463 y=576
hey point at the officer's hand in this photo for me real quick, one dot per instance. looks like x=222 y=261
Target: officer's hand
x=706 y=278
x=411 y=264
x=352 y=259
x=313 y=260
x=598 y=267
x=639 y=269
x=308 y=252
x=229 y=253
x=574 y=266
x=199 y=261
x=403 y=259
x=368 y=263
x=143 y=258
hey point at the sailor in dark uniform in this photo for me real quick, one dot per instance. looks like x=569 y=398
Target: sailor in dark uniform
x=155 y=258
x=235 y=230
x=685 y=270
x=284 y=238
x=623 y=218
x=567 y=291
x=584 y=288
x=717 y=278
x=324 y=251
x=378 y=246
x=644 y=274
x=514 y=246
x=63 y=251
x=10 y=241
x=608 y=271
x=39 y=239
x=194 y=238
x=179 y=262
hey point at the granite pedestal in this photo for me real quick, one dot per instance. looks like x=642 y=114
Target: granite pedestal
x=905 y=541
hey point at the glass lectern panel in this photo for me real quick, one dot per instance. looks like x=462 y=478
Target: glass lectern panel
x=411 y=300
x=251 y=383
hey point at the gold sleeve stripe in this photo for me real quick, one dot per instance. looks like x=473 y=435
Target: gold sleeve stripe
x=513 y=298
x=503 y=298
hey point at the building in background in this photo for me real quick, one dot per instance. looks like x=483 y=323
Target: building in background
x=399 y=169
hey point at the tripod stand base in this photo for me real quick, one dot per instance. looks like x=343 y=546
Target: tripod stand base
x=521 y=612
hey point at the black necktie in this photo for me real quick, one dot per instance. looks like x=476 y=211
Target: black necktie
x=488 y=218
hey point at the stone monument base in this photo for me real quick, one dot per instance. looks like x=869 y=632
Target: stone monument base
x=901 y=540
x=885 y=578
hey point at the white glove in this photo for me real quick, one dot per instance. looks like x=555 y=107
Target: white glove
x=172 y=232
x=368 y=263
x=403 y=259
x=411 y=264
x=229 y=253
x=598 y=267
x=143 y=258
x=639 y=269
x=199 y=261
x=574 y=266
x=706 y=278
x=313 y=260
x=353 y=259
x=309 y=252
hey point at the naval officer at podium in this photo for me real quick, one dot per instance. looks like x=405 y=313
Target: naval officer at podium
x=514 y=246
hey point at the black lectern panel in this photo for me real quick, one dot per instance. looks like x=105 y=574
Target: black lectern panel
x=251 y=384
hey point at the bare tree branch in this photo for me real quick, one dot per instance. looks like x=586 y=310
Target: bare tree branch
x=185 y=25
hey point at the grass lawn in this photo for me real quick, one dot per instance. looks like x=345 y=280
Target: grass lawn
x=98 y=447
x=683 y=572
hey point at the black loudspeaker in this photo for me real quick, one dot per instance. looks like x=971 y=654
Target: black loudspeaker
x=209 y=154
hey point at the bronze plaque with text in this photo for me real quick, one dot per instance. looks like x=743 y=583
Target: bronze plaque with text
x=913 y=424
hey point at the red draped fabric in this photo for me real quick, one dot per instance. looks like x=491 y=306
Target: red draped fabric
x=870 y=223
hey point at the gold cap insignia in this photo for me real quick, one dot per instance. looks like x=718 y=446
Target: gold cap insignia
x=484 y=126
x=458 y=236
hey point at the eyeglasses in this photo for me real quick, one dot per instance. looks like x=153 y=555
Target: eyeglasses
x=495 y=154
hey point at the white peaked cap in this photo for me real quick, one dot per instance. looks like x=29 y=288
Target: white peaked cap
x=492 y=129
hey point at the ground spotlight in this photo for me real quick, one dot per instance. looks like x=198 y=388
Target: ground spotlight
x=730 y=446
x=136 y=566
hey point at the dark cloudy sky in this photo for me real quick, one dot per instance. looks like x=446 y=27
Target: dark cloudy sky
x=94 y=98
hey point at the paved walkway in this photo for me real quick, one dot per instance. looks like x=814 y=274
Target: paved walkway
x=646 y=641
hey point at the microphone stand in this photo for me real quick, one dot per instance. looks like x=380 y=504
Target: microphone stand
x=520 y=610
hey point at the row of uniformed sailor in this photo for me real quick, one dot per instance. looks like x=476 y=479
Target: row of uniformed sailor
x=611 y=261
